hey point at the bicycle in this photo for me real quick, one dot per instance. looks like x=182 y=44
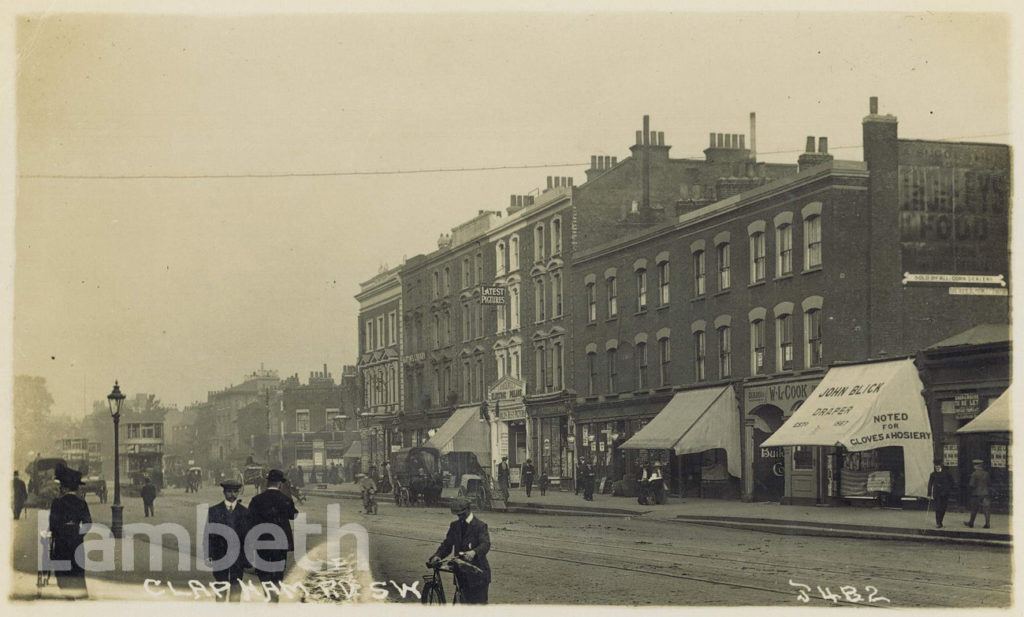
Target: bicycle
x=369 y=502
x=433 y=587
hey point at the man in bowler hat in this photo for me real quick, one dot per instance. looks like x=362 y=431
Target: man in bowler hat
x=221 y=543
x=272 y=507
x=469 y=539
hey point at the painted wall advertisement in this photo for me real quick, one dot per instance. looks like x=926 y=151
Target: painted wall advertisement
x=954 y=208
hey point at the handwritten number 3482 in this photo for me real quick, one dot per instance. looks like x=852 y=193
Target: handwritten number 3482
x=849 y=594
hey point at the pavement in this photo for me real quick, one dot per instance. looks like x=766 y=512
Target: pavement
x=874 y=522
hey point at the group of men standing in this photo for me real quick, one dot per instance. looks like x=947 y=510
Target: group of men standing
x=225 y=552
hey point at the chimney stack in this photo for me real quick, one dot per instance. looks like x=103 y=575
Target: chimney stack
x=753 y=136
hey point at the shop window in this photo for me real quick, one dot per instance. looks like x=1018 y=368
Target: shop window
x=304 y=451
x=803 y=457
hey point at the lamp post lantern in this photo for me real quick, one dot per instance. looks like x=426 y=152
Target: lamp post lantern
x=115 y=399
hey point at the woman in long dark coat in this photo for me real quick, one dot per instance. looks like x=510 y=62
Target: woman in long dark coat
x=68 y=513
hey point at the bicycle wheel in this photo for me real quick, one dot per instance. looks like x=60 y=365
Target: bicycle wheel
x=432 y=594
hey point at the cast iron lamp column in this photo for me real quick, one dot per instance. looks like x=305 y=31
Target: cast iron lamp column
x=114 y=399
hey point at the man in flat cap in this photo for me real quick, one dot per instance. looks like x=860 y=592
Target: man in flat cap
x=224 y=546
x=69 y=519
x=469 y=539
x=981 y=498
x=272 y=507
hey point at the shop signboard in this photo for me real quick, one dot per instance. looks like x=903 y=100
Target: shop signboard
x=880 y=481
x=492 y=295
x=966 y=405
x=785 y=396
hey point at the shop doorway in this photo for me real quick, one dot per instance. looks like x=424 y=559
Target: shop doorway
x=769 y=463
x=516 y=443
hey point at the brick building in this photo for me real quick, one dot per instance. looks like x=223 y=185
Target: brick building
x=320 y=420
x=380 y=362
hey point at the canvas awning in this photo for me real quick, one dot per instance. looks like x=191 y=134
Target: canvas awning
x=354 y=451
x=864 y=407
x=695 y=421
x=463 y=431
x=995 y=419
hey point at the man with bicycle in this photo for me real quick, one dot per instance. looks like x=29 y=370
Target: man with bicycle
x=469 y=539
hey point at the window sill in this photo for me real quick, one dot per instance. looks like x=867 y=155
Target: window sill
x=812 y=269
x=783 y=277
x=663 y=307
x=700 y=298
x=610 y=319
x=639 y=313
x=592 y=397
x=756 y=284
x=722 y=292
x=665 y=388
x=641 y=392
x=591 y=323
x=611 y=397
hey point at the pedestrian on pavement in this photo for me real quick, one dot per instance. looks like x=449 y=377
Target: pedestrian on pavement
x=529 y=471
x=69 y=519
x=272 y=507
x=580 y=479
x=469 y=539
x=980 y=496
x=148 y=493
x=217 y=546
x=19 y=495
x=940 y=485
x=385 y=478
x=300 y=477
x=589 y=479
x=543 y=483
x=332 y=476
x=503 y=478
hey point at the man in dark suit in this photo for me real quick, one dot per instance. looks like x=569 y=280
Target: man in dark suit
x=19 y=494
x=504 y=474
x=148 y=494
x=218 y=543
x=468 y=538
x=272 y=507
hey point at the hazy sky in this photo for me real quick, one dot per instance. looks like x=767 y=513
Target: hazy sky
x=177 y=286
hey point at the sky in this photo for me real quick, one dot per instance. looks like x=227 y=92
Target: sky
x=199 y=195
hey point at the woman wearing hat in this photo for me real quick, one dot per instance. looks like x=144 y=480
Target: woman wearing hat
x=69 y=514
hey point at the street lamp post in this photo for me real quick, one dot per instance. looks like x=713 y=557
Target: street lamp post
x=115 y=399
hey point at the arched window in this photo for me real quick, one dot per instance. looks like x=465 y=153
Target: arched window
x=784 y=241
x=758 y=270
x=538 y=243
x=640 y=354
x=757 y=349
x=641 y=290
x=499 y=259
x=556 y=294
x=724 y=272
x=699 y=273
x=613 y=297
x=812 y=240
x=556 y=236
x=539 y=299
x=612 y=359
x=724 y=352
x=784 y=341
x=591 y=303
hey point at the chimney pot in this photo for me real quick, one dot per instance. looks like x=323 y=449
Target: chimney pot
x=639 y=138
x=810 y=144
x=823 y=145
x=712 y=145
x=606 y=162
x=721 y=140
x=593 y=162
x=549 y=181
x=512 y=201
x=661 y=138
x=874 y=105
x=742 y=144
x=647 y=130
x=735 y=141
x=615 y=161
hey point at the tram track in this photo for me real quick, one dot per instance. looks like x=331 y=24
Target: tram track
x=735 y=570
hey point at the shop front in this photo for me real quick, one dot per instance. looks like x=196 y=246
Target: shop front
x=510 y=432
x=768 y=470
x=867 y=427
x=990 y=435
x=464 y=441
x=697 y=436
x=964 y=376
x=549 y=447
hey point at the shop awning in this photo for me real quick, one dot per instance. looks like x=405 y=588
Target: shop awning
x=995 y=419
x=695 y=421
x=354 y=451
x=463 y=431
x=864 y=407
